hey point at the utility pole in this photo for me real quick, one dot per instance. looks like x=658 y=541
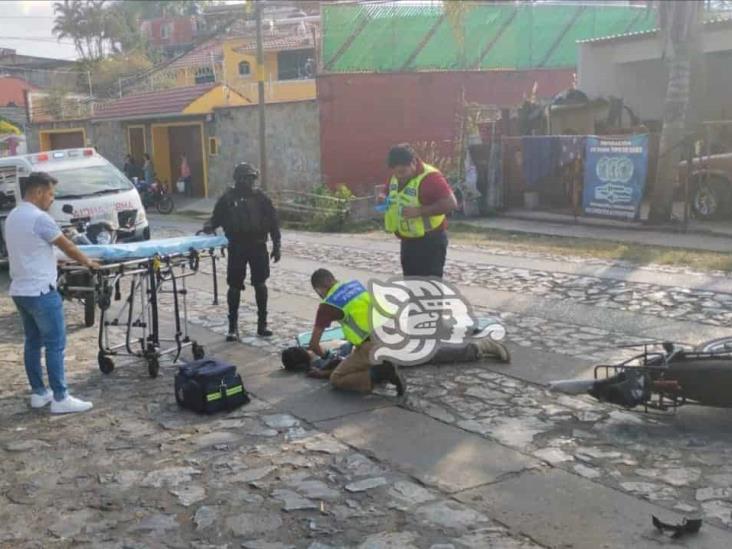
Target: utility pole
x=260 y=92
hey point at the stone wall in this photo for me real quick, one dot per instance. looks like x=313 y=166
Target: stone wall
x=293 y=145
x=33 y=131
x=110 y=139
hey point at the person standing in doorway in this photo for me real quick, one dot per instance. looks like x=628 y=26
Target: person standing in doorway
x=30 y=235
x=418 y=202
x=129 y=169
x=148 y=170
x=185 y=175
x=248 y=217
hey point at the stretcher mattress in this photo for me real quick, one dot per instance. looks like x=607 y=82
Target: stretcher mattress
x=150 y=248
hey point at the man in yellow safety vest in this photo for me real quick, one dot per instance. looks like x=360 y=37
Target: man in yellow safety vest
x=349 y=303
x=417 y=205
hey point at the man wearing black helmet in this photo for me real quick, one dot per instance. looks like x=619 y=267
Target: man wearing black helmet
x=247 y=216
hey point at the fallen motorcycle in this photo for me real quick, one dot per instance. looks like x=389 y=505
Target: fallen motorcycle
x=664 y=376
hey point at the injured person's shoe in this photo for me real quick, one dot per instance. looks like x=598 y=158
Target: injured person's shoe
x=232 y=336
x=489 y=347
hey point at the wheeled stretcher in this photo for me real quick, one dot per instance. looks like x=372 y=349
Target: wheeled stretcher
x=144 y=272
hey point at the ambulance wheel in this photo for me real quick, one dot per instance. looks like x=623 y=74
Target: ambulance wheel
x=106 y=365
x=198 y=352
x=153 y=366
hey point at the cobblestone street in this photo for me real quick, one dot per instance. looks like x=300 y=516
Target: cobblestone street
x=302 y=466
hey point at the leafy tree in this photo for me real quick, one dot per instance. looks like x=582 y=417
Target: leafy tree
x=103 y=27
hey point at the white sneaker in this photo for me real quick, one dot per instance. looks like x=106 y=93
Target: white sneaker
x=70 y=405
x=39 y=401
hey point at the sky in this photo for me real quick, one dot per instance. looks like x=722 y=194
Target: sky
x=25 y=26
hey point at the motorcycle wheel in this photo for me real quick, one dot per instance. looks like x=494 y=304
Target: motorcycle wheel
x=719 y=345
x=165 y=204
x=89 y=310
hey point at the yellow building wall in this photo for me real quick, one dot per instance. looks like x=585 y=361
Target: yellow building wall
x=275 y=90
x=161 y=153
x=218 y=97
x=232 y=59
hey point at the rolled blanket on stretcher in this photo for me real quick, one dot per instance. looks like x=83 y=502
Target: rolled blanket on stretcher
x=150 y=248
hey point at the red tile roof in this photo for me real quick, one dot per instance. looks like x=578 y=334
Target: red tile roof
x=200 y=55
x=160 y=102
x=11 y=91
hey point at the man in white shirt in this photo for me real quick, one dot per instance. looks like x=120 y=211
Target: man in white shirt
x=30 y=235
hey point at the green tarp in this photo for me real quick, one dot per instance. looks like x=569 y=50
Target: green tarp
x=397 y=37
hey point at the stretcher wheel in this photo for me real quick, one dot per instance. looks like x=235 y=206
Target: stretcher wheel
x=106 y=364
x=198 y=352
x=153 y=366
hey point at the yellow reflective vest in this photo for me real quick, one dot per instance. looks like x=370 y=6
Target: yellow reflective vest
x=409 y=197
x=355 y=302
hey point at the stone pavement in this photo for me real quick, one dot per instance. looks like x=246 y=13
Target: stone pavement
x=478 y=455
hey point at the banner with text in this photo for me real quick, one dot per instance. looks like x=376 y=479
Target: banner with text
x=615 y=176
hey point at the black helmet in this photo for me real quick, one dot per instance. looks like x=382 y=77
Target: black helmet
x=245 y=169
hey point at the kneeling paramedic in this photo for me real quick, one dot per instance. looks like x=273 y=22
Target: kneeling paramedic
x=247 y=217
x=349 y=303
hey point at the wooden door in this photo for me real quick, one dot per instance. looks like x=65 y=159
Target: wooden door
x=136 y=136
x=187 y=140
x=67 y=140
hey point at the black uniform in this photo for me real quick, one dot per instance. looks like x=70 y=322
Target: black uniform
x=248 y=217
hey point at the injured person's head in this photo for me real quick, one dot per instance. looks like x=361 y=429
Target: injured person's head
x=296 y=359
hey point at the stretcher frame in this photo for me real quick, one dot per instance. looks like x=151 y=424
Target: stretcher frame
x=139 y=313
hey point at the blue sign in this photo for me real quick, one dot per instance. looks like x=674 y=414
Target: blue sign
x=615 y=176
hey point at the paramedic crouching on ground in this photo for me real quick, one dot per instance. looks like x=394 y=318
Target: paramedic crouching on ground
x=349 y=304
x=30 y=235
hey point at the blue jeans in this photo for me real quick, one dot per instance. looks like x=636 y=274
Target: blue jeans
x=43 y=323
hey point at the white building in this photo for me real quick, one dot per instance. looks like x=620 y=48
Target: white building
x=631 y=67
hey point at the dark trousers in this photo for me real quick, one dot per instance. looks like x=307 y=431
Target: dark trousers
x=257 y=258
x=424 y=256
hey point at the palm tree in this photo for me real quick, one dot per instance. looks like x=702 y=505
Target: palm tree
x=679 y=24
x=67 y=23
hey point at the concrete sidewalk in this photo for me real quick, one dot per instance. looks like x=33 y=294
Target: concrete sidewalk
x=541 y=223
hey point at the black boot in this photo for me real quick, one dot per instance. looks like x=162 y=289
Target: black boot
x=233 y=297
x=386 y=371
x=260 y=295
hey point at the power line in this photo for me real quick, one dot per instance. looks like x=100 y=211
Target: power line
x=23 y=69
x=38 y=39
x=29 y=17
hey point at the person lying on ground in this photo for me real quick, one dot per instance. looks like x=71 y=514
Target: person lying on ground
x=299 y=359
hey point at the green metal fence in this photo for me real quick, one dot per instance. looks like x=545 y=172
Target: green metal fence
x=392 y=37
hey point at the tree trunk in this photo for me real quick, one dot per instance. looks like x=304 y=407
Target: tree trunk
x=672 y=137
x=679 y=22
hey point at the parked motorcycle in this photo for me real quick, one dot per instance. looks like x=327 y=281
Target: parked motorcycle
x=155 y=195
x=102 y=229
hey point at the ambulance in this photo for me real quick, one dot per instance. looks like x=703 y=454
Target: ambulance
x=88 y=182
